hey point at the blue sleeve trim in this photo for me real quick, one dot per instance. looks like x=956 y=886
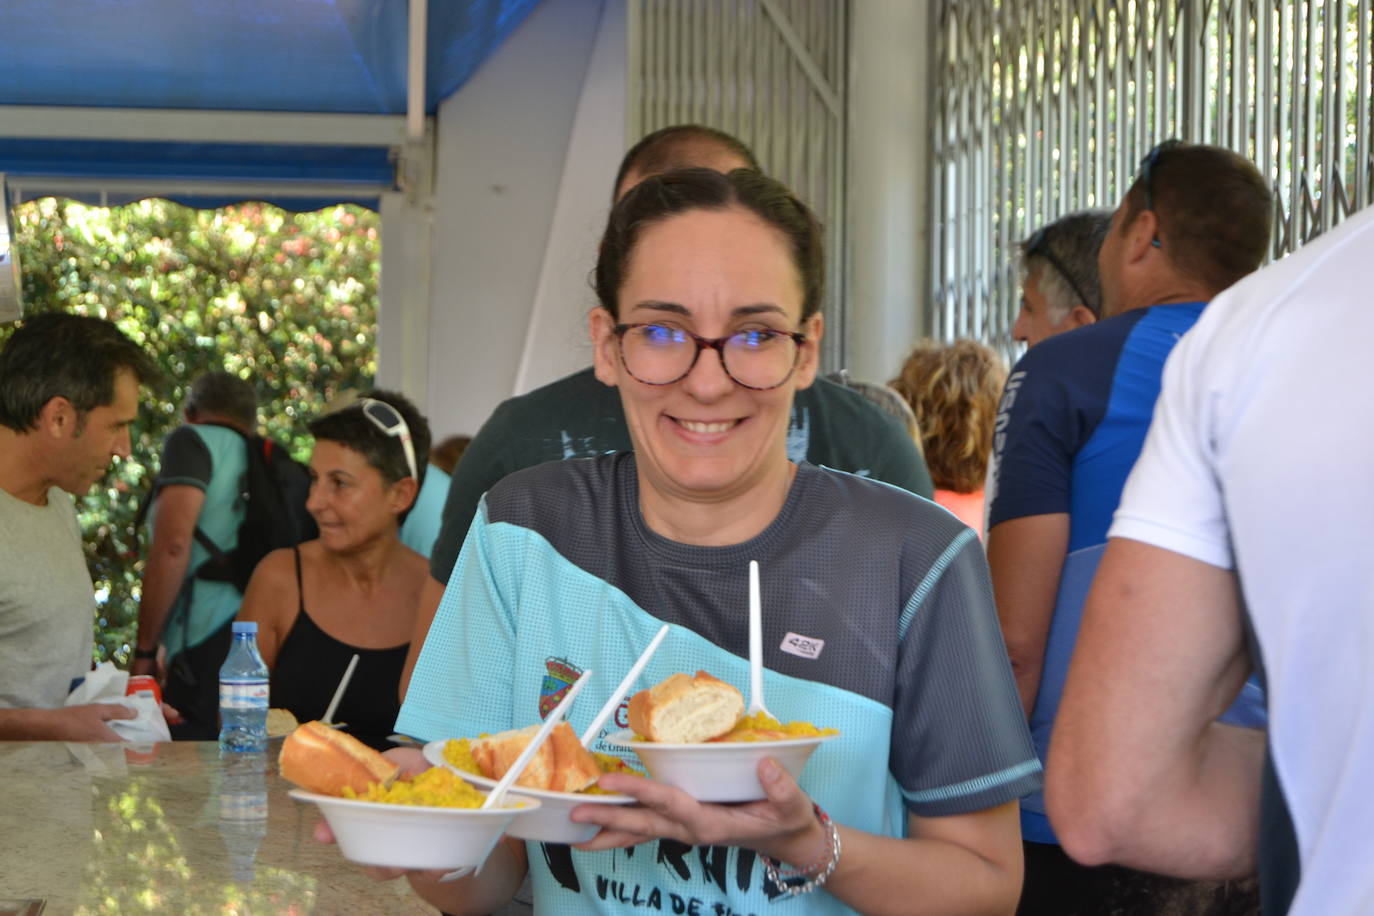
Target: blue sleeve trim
x=181 y=481
x=933 y=575
x=976 y=785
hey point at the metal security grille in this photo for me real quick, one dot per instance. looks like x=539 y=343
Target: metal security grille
x=770 y=72
x=1042 y=108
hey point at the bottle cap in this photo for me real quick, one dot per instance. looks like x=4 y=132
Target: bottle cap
x=246 y=626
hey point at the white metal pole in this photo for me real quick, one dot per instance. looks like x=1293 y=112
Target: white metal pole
x=415 y=70
x=888 y=183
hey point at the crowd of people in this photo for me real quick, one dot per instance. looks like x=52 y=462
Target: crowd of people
x=1122 y=705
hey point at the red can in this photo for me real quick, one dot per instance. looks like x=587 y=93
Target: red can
x=144 y=684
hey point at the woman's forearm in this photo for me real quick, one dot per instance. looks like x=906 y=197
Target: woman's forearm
x=881 y=875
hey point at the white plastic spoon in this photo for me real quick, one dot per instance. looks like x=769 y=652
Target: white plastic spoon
x=498 y=791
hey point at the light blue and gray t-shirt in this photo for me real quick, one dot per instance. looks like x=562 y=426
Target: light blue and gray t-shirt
x=878 y=621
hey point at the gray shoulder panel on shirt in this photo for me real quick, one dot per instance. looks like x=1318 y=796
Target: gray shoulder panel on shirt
x=844 y=556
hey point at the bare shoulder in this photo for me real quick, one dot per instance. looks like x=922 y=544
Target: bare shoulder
x=414 y=573
x=272 y=591
x=414 y=563
x=279 y=566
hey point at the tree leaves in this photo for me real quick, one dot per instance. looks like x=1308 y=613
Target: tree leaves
x=286 y=300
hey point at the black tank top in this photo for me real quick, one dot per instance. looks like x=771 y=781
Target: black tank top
x=310 y=665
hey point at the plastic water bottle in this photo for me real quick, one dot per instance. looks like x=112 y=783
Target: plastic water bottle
x=243 y=809
x=243 y=693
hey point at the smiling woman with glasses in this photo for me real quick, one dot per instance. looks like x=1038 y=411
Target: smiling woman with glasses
x=877 y=615
x=354 y=590
x=656 y=354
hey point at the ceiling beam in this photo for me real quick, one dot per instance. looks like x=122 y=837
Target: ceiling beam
x=24 y=187
x=34 y=122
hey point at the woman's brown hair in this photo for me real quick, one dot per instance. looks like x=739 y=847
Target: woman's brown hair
x=953 y=388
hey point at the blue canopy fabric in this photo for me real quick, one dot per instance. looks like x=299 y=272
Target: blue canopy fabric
x=331 y=56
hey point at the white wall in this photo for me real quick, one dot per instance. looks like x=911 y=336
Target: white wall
x=557 y=342
x=526 y=152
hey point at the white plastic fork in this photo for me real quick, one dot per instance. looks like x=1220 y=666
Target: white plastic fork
x=755 y=644
x=339 y=692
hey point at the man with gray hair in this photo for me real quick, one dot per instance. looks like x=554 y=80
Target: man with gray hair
x=1060 y=290
x=196 y=498
x=68 y=395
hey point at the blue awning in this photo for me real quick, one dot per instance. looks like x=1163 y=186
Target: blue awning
x=316 y=56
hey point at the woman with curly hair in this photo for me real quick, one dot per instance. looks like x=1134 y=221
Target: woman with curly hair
x=953 y=389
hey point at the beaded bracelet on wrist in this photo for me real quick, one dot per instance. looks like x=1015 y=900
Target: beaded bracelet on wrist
x=816 y=873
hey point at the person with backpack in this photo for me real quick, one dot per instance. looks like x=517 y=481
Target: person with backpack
x=223 y=497
x=354 y=591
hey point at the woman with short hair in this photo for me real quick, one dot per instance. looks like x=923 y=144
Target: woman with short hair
x=354 y=589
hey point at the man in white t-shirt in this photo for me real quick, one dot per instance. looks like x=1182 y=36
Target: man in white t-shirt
x=68 y=394
x=1240 y=541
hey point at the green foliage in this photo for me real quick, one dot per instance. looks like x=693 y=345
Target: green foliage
x=288 y=301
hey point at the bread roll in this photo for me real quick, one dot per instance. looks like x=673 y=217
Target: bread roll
x=561 y=764
x=323 y=760
x=686 y=710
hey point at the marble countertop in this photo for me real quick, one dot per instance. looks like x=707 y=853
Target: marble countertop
x=170 y=828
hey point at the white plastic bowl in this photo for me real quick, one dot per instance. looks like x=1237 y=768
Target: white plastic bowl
x=724 y=771
x=411 y=836
x=548 y=824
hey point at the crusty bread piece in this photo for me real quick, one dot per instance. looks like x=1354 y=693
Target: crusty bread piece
x=561 y=764
x=686 y=710
x=323 y=760
x=495 y=754
x=280 y=722
x=574 y=766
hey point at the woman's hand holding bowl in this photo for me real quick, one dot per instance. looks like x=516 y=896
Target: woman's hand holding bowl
x=783 y=826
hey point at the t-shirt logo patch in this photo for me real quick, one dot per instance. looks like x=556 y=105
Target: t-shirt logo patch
x=561 y=675
x=803 y=646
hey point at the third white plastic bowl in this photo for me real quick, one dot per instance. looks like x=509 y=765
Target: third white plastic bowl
x=724 y=771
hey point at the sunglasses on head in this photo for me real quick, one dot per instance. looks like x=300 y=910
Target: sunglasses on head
x=389 y=420
x=1146 y=175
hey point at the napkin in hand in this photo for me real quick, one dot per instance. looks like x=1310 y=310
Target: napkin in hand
x=106 y=684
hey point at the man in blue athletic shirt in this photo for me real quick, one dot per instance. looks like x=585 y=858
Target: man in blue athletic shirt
x=1238 y=544
x=1072 y=421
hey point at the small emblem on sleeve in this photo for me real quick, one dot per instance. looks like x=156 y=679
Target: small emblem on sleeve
x=803 y=646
